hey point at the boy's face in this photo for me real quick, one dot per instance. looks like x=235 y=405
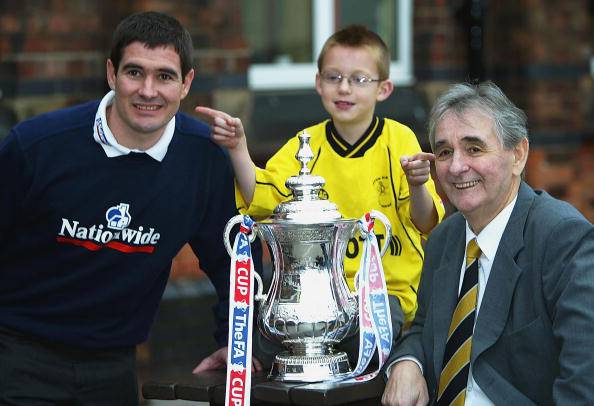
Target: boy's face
x=350 y=104
x=149 y=88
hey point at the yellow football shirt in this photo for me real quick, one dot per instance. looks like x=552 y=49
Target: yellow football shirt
x=359 y=178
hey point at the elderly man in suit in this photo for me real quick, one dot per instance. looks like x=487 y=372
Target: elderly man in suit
x=513 y=324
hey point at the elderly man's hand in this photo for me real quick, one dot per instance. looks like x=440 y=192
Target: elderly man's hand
x=406 y=386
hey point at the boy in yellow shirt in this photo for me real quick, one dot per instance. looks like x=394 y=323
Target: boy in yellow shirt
x=368 y=162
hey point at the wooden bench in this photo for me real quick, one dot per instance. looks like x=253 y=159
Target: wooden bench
x=210 y=387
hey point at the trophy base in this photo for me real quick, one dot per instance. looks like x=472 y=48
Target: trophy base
x=310 y=368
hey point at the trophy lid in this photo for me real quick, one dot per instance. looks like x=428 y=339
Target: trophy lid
x=306 y=206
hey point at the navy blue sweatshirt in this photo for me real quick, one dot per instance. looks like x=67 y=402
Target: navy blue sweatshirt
x=86 y=241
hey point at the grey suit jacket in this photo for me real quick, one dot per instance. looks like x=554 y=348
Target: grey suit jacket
x=534 y=335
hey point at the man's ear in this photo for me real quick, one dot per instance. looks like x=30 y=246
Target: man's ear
x=111 y=74
x=385 y=89
x=187 y=83
x=520 y=156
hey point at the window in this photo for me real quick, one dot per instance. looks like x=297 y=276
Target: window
x=286 y=36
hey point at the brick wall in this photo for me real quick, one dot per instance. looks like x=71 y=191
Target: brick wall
x=53 y=54
x=545 y=68
x=565 y=171
x=539 y=52
x=50 y=53
x=438 y=46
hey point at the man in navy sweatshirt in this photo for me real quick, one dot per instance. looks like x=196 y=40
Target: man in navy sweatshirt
x=96 y=200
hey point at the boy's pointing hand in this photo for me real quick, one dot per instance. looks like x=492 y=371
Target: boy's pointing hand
x=226 y=131
x=417 y=167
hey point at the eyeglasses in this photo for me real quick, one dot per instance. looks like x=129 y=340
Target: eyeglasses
x=359 y=80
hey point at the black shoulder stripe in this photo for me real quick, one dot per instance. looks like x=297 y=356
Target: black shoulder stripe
x=369 y=140
x=316 y=160
x=358 y=149
x=274 y=186
x=339 y=148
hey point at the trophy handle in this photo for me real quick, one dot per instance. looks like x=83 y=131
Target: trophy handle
x=252 y=236
x=375 y=214
x=379 y=215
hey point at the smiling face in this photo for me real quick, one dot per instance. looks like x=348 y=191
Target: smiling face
x=479 y=176
x=351 y=106
x=149 y=88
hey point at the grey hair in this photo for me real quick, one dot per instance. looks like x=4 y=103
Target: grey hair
x=509 y=121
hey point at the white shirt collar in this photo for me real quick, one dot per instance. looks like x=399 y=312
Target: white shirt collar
x=104 y=137
x=488 y=239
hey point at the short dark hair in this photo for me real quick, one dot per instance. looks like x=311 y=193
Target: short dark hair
x=359 y=36
x=152 y=29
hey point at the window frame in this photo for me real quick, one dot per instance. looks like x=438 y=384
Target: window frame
x=284 y=76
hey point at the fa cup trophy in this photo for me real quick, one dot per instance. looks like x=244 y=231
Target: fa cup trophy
x=309 y=307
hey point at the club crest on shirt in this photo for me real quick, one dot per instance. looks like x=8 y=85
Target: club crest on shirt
x=382 y=187
x=323 y=194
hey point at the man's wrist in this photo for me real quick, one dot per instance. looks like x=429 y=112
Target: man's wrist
x=405 y=358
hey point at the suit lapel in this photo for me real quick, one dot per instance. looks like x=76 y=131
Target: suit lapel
x=445 y=291
x=503 y=278
x=495 y=306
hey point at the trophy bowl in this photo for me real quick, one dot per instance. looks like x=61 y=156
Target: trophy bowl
x=309 y=307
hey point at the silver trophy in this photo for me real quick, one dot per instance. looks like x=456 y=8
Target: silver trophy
x=309 y=307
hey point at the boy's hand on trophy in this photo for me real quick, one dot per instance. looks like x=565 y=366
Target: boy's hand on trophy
x=226 y=131
x=417 y=167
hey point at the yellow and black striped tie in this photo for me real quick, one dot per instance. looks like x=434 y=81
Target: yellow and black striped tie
x=456 y=360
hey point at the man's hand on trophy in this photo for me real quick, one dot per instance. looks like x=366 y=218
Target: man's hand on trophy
x=226 y=131
x=218 y=360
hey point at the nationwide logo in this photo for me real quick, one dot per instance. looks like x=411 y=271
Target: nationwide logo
x=118 y=217
x=97 y=236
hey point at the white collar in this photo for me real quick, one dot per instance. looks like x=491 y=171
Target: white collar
x=104 y=137
x=488 y=239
